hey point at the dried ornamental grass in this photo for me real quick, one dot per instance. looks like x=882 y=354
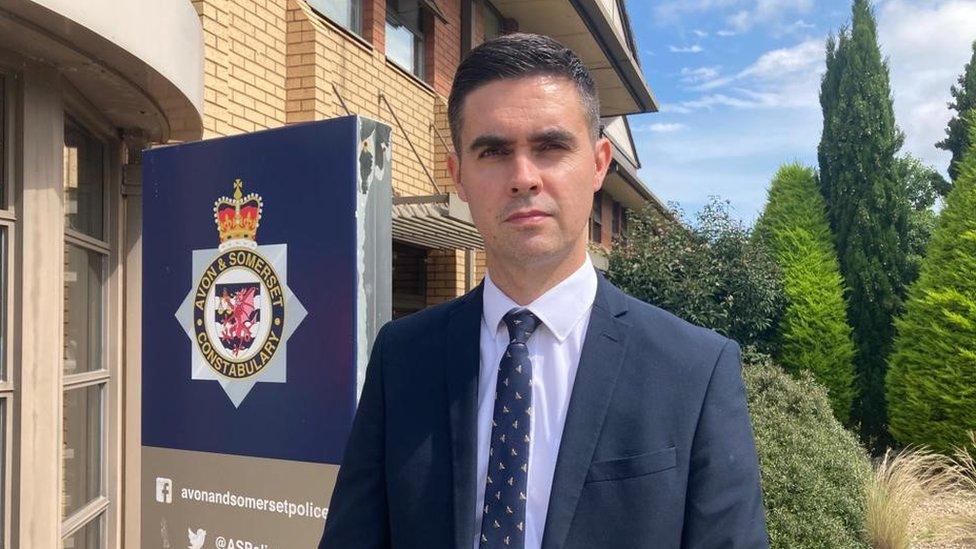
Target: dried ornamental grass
x=901 y=483
x=961 y=527
x=918 y=498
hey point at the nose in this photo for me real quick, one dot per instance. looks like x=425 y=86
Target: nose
x=525 y=176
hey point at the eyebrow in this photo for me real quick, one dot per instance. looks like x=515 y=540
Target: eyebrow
x=549 y=136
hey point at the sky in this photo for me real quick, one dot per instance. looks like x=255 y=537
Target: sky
x=737 y=82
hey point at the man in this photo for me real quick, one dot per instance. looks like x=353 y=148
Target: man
x=545 y=408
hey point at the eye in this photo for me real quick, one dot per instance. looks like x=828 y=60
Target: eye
x=490 y=151
x=552 y=146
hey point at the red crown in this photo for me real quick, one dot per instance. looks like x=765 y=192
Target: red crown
x=238 y=219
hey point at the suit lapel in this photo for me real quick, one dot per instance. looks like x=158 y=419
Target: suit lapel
x=462 y=360
x=599 y=366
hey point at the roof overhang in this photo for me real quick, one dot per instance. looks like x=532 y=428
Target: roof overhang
x=440 y=221
x=139 y=62
x=598 y=31
x=623 y=184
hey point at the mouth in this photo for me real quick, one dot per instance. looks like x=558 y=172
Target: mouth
x=526 y=217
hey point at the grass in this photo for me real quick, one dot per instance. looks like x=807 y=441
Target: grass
x=920 y=496
x=961 y=527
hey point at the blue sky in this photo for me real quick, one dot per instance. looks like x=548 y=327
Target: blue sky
x=738 y=83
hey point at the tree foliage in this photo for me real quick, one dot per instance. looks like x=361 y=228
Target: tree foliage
x=709 y=272
x=922 y=185
x=932 y=380
x=963 y=100
x=867 y=207
x=813 y=333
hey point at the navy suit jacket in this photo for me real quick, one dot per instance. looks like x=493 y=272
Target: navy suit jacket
x=657 y=450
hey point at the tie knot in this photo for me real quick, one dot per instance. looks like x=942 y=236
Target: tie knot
x=521 y=323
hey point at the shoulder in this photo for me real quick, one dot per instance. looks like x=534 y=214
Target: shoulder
x=652 y=331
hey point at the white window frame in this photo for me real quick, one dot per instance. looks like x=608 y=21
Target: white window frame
x=8 y=226
x=106 y=505
x=356 y=10
x=419 y=42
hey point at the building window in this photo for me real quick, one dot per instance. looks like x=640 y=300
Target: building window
x=85 y=362
x=6 y=387
x=83 y=177
x=346 y=13
x=409 y=279
x=491 y=20
x=619 y=225
x=88 y=536
x=82 y=446
x=8 y=221
x=596 y=218
x=405 y=36
x=3 y=139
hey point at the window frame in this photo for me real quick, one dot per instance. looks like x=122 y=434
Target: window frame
x=419 y=40
x=616 y=224
x=596 y=218
x=104 y=507
x=486 y=7
x=410 y=301
x=356 y=8
x=8 y=239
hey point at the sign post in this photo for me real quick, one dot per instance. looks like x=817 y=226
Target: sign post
x=266 y=275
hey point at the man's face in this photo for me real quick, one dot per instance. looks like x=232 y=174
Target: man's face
x=528 y=168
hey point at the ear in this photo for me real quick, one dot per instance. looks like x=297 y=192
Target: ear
x=454 y=168
x=603 y=156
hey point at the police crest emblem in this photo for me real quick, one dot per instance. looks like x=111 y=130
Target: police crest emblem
x=240 y=311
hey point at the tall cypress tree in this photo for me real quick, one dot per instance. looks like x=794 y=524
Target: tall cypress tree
x=830 y=150
x=957 y=134
x=813 y=333
x=930 y=383
x=867 y=204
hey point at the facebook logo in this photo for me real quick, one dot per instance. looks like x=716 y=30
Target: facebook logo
x=164 y=490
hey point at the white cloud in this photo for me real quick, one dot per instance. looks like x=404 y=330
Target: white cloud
x=671 y=11
x=709 y=102
x=769 y=11
x=928 y=45
x=780 y=62
x=699 y=74
x=725 y=32
x=741 y=21
x=661 y=127
x=690 y=49
x=700 y=33
x=785 y=77
x=792 y=28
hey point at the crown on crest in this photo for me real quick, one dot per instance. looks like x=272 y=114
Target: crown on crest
x=237 y=219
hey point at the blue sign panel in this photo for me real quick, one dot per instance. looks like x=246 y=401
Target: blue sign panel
x=250 y=288
x=266 y=268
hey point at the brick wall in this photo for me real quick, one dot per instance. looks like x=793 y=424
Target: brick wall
x=272 y=62
x=445 y=275
x=244 y=65
x=444 y=46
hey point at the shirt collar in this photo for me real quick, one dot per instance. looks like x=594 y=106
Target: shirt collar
x=560 y=308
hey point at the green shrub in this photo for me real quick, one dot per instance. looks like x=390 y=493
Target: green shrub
x=814 y=472
x=931 y=381
x=813 y=333
x=709 y=272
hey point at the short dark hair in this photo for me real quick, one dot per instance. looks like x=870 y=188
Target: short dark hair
x=520 y=55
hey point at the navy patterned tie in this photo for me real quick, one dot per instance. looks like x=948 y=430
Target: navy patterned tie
x=503 y=522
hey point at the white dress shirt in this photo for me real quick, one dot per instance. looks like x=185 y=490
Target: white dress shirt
x=554 y=349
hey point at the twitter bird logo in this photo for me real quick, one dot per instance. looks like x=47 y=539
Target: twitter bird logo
x=196 y=538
